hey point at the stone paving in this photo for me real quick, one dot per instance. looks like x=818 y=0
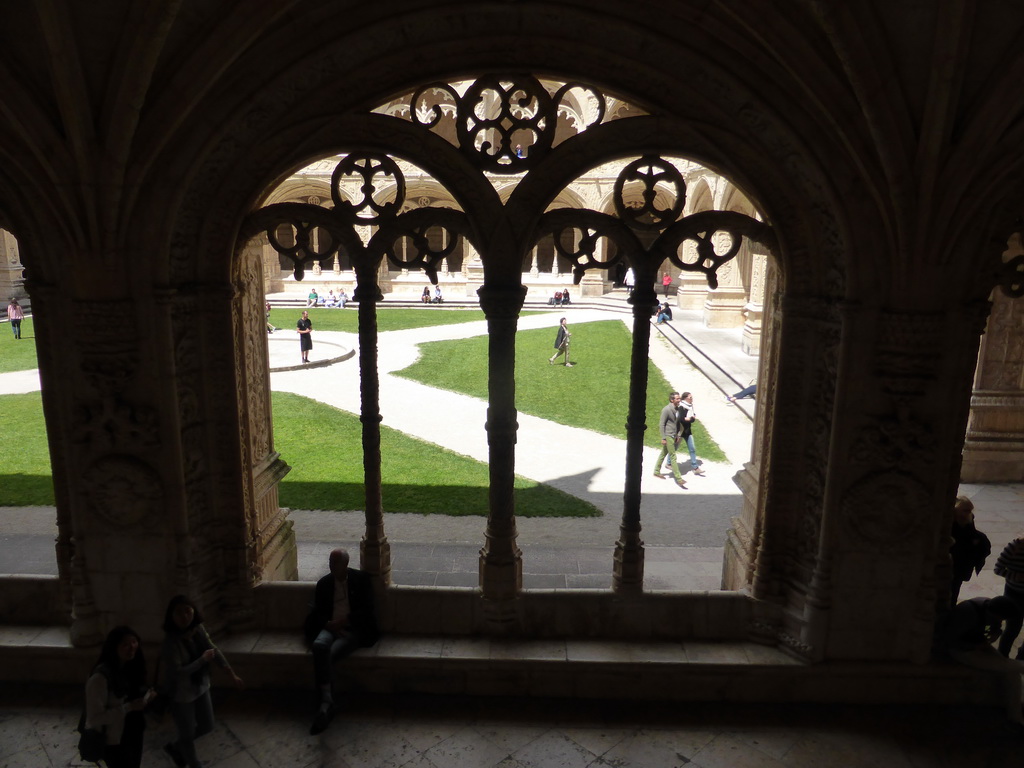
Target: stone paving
x=262 y=729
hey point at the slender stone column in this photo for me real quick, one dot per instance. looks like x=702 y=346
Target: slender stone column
x=628 y=575
x=374 y=549
x=501 y=561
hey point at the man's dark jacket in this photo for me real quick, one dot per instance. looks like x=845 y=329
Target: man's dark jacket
x=362 y=617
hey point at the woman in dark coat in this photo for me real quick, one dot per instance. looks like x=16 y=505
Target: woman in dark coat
x=305 y=329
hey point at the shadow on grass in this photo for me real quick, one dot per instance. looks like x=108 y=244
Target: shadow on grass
x=19 y=490
x=455 y=501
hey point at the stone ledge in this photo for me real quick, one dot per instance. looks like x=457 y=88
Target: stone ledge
x=588 y=669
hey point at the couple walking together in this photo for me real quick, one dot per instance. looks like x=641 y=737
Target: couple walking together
x=676 y=426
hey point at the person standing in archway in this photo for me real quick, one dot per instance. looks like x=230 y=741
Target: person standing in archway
x=305 y=329
x=666 y=283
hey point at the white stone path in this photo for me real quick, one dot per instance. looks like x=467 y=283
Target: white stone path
x=586 y=464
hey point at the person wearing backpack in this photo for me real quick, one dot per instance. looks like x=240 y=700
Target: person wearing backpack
x=115 y=695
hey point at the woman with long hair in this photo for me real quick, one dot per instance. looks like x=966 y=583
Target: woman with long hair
x=185 y=657
x=115 y=695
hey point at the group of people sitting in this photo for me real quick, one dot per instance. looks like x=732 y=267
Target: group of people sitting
x=561 y=298
x=331 y=300
x=437 y=298
x=663 y=312
x=980 y=632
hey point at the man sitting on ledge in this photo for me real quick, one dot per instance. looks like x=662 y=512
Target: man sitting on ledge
x=341 y=619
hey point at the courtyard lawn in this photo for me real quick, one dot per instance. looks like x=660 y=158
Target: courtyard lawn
x=592 y=395
x=18 y=354
x=388 y=318
x=25 y=477
x=323 y=446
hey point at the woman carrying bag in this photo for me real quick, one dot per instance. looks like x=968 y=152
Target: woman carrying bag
x=115 y=695
x=185 y=658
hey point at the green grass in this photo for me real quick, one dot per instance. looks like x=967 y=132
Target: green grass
x=20 y=354
x=388 y=319
x=323 y=445
x=593 y=395
x=26 y=479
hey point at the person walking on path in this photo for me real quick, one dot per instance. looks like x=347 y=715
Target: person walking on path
x=305 y=330
x=562 y=343
x=1010 y=565
x=629 y=279
x=341 y=619
x=270 y=326
x=670 y=429
x=15 y=314
x=687 y=416
x=666 y=283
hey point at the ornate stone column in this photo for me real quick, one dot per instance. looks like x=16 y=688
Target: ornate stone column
x=753 y=312
x=692 y=287
x=374 y=549
x=994 y=447
x=745 y=537
x=901 y=406
x=724 y=305
x=12 y=284
x=269 y=539
x=501 y=561
x=628 y=574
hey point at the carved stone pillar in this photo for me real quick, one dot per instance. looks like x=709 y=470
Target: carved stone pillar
x=754 y=309
x=12 y=283
x=994 y=448
x=692 y=290
x=745 y=538
x=901 y=407
x=628 y=574
x=724 y=305
x=501 y=561
x=114 y=475
x=269 y=539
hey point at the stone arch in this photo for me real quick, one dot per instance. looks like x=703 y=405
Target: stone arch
x=754 y=150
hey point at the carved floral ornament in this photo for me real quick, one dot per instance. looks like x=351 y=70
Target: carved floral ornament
x=505 y=125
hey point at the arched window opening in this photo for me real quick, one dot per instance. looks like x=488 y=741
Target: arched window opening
x=403 y=220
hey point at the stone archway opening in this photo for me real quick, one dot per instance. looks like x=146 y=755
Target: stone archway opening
x=502 y=150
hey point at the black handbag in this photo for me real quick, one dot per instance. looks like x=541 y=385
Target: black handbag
x=92 y=743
